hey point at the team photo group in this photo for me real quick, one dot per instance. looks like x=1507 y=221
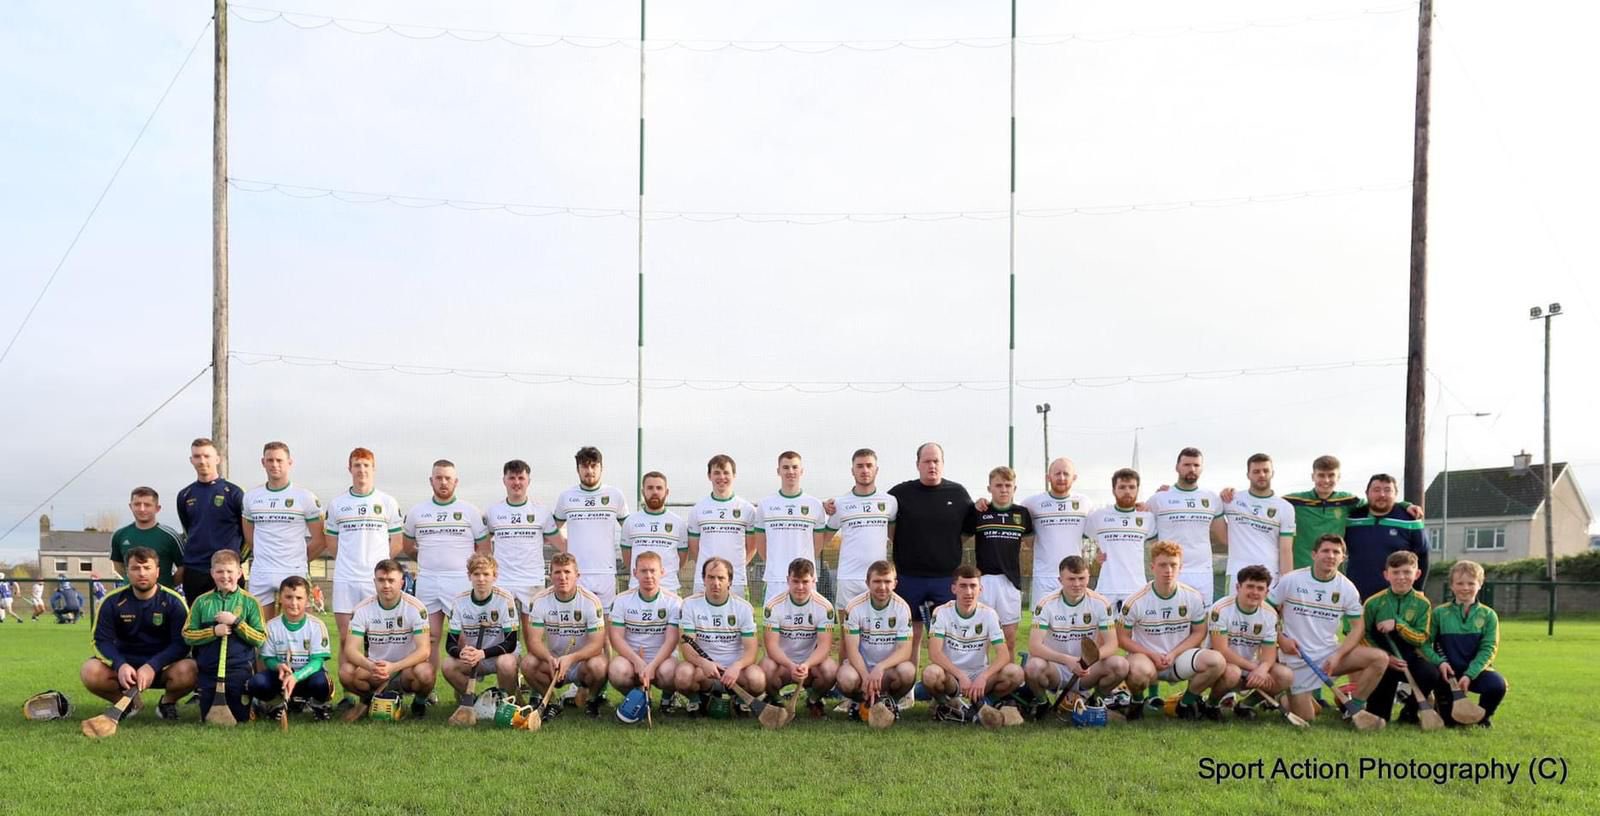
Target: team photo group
x=1319 y=616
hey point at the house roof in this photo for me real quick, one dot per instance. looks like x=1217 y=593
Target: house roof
x=90 y=541
x=1492 y=492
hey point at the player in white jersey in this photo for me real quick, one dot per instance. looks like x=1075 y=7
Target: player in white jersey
x=280 y=527
x=1060 y=517
x=721 y=526
x=1313 y=604
x=639 y=627
x=1184 y=514
x=518 y=529
x=589 y=515
x=442 y=533
x=864 y=519
x=724 y=626
x=362 y=527
x=1258 y=526
x=1120 y=533
x=1162 y=627
x=655 y=529
x=294 y=654
x=962 y=632
x=564 y=631
x=1062 y=621
x=482 y=638
x=387 y=648
x=877 y=662
x=789 y=524
x=1244 y=630
x=799 y=639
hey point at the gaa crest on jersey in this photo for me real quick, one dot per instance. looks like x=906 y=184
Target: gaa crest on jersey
x=805 y=511
x=669 y=526
x=324 y=641
x=1183 y=610
x=882 y=506
x=306 y=644
x=1335 y=598
x=288 y=502
x=735 y=512
x=1075 y=504
x=892 y=621
x=1138 y=522
x=1258 y=629
x=377 y=508
x=978 y=630
x=577 y=616
x=1272 y=512
x=810 y=619
x=605 y=500
x=458 y=515
x=1088 y=617
x=156 y=618
x=494 y=614
x=1205 y=502
x=1215 y=616
x=217 y=500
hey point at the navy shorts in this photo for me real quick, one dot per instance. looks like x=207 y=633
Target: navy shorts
x=918 y=590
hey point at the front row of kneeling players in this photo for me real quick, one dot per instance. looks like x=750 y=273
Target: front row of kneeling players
x=1264 y=645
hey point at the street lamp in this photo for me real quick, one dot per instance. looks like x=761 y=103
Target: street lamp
x=1549 y=500
x=1043 y=410
x=1444 y=533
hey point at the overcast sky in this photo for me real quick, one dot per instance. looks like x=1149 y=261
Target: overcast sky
x=1150 y=103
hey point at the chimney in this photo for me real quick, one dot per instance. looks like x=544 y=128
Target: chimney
x=1520 y=463
x=44 y=522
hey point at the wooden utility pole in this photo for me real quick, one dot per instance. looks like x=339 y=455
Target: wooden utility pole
x=1416 y=353
x=219 y=238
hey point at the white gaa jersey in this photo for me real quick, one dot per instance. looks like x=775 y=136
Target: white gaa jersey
x=1121 y=535
x=881 y=630
x=967 y=638
x=446 y=534
x=298 y=645
x=720 y=629
x=863 y=525
x=1312 y=609
x=1254 y=525
x=280 y=519
x=1185 y=516
x=1067 y=624
x=1160 y=624
x=485 y=623
x=1247 y=631
x=798 y=625
x=517 y=533
x=564 y=624
x=389 y=631
x=1060 y=523
x=362 y=525
x=644 y=621
x=665 y=533
x=722 y=525
x=591 y=517
x=790 y=524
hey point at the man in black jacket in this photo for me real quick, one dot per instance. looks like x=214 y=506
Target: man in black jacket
x=928 y=535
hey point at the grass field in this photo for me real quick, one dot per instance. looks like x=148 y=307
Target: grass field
x=580 y=766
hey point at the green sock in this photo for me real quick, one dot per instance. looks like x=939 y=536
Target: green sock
x=1190 y=698
x=1358 y=703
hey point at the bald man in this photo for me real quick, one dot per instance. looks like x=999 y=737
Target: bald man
x=1059 y=520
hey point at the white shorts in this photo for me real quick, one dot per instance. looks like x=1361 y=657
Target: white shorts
x=1005 y=598
x=264 y=586
x=1205 y=582
x=1182 y=667
x=522 y=592
x=603 y=586
x=1305 y=678
x=438 y=592
x=774 y=589
x=1041 y=587
x=347 y=594
x=846 y=590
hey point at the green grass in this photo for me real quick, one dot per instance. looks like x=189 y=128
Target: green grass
x=837 y=767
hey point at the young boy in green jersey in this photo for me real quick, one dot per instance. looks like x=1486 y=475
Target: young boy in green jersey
x=1462 y=640
x=1397 y=621
x=225 y=614
x=296 y=649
